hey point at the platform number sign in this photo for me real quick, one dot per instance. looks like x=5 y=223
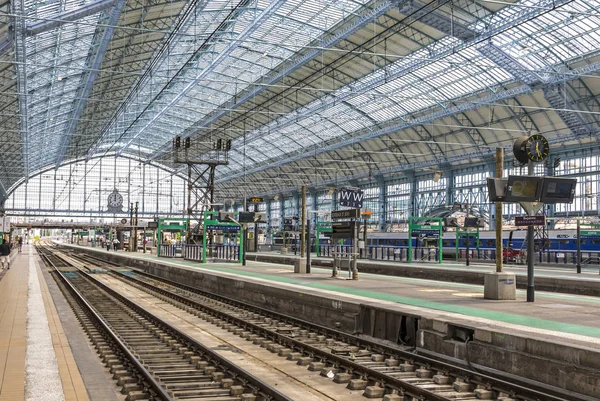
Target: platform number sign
x=351 y=197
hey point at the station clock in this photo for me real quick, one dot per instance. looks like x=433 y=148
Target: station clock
x=535 y=148
x=115 y=201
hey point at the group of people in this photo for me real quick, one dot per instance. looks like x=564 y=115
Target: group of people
x=6 y=248
x=115 y=244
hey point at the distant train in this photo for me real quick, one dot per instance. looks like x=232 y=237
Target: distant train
x=557 y=241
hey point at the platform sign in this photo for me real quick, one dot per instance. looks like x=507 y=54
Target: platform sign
x=224 y=228
x=351 y=197
x=6 y=224
x=256 y=199
x=430 y=227
x=343 y=229
x=345 y=214
x=525 y=221
x=432 y=233
x=590 y=233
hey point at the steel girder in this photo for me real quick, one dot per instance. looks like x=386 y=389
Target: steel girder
x=94 y=67
x=269 y=11
x=557 y=100
x=21 y=69
x=69 y=16
x=146 y=81
x=425 y=119
x=364 y=17
x=437 y=52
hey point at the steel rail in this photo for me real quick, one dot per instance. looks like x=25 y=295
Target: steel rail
x=237 y=372
x=147 y=376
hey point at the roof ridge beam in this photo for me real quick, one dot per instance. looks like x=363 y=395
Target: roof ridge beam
x=67 y=17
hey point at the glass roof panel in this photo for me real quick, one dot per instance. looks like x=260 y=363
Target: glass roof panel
x=293 y=25
x=558 y=36
x=56 y=61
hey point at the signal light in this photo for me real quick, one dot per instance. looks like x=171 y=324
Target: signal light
x=178 y=142
x=228 y=146
x=188 y=143
x=557 y=162
x=219 y=144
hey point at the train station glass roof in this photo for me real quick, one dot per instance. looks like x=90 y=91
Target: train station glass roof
x=311 y=92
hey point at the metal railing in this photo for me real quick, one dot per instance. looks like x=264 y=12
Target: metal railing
x=170 y=251
x=220 y=252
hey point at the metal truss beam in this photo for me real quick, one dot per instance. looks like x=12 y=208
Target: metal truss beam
x=21 y=70
x=437 y=52
x=575 y=122
x=562 y=102
x=68 y=16
x=364 y=17
x=183 y=23
x=6 y=43
x=425 y=119
x=94 y=67
x=267 y=13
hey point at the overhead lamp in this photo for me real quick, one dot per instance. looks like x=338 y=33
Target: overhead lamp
x=437 y=176
x=276 y=197
x=265 y=54
x=331 y=191
x=59 y=78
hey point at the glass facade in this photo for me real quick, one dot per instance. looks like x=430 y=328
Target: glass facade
x=82 y=188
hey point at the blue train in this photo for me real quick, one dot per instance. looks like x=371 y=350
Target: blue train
x=557 y=241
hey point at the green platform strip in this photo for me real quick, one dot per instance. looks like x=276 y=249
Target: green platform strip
x=464 y=310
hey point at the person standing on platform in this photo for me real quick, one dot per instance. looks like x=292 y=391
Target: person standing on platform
x=20 y=244
x=5 y=254
x=107 y=243
x=116 y=243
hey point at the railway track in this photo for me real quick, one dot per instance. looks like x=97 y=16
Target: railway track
x=150 y=359
x=382 y=372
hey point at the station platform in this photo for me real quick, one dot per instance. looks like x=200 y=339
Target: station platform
x=558 y=330
x=563 y=279
x=36 y=360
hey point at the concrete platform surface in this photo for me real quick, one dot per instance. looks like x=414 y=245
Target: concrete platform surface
x=36 y=362
x=563 y=279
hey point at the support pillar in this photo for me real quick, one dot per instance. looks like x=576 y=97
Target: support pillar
x=499 y=285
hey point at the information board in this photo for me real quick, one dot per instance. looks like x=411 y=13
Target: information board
x=343 y=229
x=435 y=233
x=345 y=214
x=219 y=227
x=525 y=221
